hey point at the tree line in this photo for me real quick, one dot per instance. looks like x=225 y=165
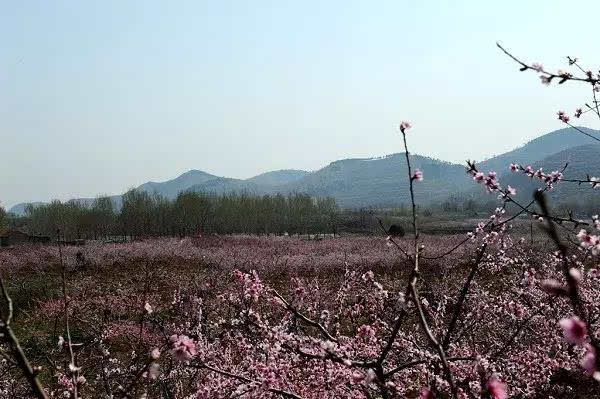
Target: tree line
x=3 y=217
x=142 y=214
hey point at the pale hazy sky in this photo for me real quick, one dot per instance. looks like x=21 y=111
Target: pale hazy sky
x=100 y=96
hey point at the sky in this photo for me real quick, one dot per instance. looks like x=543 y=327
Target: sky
x=100 y=96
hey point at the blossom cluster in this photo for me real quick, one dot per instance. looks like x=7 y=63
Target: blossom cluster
x=550 y=179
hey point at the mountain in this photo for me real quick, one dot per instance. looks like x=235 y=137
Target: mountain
x=353 y=182
x=171 y=188
x=19 y=209
x=222 y=185
x=382 y=181
x=540 y=148
x=278 y=177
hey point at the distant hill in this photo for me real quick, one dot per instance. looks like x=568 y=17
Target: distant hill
x=278 y=177
x=171 y=188
x=19 y=209
x=540 y=148
x=382 y=181
x=223 y=185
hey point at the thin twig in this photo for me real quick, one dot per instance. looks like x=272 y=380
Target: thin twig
x=415 y=276
x=302 y=317
x=72 y=366
x=281 y=392
x=461 y=298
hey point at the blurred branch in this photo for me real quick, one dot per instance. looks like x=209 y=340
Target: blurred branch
x=13 y=341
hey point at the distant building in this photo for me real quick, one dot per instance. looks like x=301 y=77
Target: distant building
x=12 y=236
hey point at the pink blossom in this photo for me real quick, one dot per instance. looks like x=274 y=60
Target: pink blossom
x=405 y=125
x=155 y=354
x=153 y=371
x=574 y=330
x=183 y=348
x=357 y=377
x=578 y=112
x=589 y=241
x=497 y=388
x=564 y=74
x=563 y=117
x=366 y=332
x=491 y=184
x=589 y=360
x=511 y=191
x=583 y=236
x=479 y=228
x=418 y=175
x=513 y=167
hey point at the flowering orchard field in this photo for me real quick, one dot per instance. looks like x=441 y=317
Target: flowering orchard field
x=221 y=317
x=489 y=314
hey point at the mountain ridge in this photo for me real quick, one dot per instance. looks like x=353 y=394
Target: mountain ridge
x=378 y=181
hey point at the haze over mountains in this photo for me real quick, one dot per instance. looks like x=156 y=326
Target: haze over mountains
x=382 y=181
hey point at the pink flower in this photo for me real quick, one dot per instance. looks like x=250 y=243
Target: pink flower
x=537 y=67
x=513 y=167
x=497 y=388
x=183 y=348
x=578 y=112
x=574 y=330
x=366 y=332
x=589 y=360
x=153 y=371
x=563 y=117
x=564 y=74
x=155 y=354
x=405 y=125
x=426 y=394
x=479 y=228
x=583 y=236
x=357 y=377
x=418 y=175
x=511 y=191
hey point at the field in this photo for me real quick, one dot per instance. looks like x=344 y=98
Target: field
x=259 y=317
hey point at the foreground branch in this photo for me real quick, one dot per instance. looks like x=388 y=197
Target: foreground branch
x=13 y=341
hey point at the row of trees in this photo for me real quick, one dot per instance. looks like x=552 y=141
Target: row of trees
x=144 y=214
x=3 y=218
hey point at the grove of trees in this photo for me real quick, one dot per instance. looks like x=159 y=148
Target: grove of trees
x=143 y=214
